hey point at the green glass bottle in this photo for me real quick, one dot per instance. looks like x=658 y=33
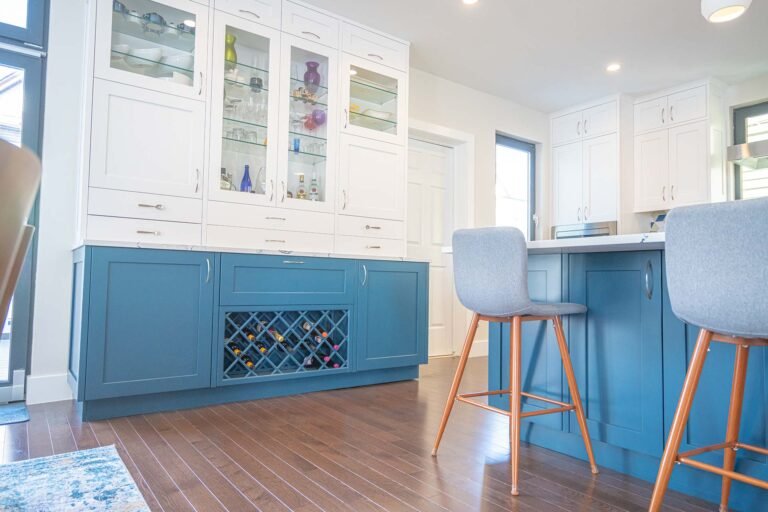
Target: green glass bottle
x=230 y=54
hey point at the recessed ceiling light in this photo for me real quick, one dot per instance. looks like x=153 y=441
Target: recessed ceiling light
x=720 y=11
x=613 y=67
x=469 y=2
x=189 y=23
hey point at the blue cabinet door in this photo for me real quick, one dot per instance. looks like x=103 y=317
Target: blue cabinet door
x=149 y=321
x=709 y=415
x=616 y=347
x=391 y=314
x=542 y=366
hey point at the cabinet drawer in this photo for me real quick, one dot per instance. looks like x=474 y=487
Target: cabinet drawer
x=264 y=217
x=370 y=247
x=277 y=280
x=268 y=240
x=266 y=12
x=379 y=228
x=116 y=203
x=310 y=24
x=115 y=229
x=377 y=48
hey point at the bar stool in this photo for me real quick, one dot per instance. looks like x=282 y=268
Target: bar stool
x=491 y=277
x=717 y=274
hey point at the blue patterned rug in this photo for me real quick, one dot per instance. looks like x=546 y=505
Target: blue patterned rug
x=13 y=413
x=87 y=480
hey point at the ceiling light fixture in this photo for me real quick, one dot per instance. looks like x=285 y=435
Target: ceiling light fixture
x=720 y=11
x=469 y=2
x=613 y=67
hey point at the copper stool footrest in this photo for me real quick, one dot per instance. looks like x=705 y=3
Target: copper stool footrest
x=465 y=398
x=685 y=458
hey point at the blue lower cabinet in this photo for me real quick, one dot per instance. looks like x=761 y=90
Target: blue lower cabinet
x=616 y=347
x=709 y=415
x=392 y=308
x=542 y=366
x=149 y=322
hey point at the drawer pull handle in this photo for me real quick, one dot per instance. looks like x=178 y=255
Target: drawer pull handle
x=207 y=270
x=200 y=91
x=376 y=55
x=272 y=188
x=306 y=33
x=244 y=11
x=275 y=241
x=197 y=180
x=157 y=206
x=368 y=226
x=673 y=192
x=346 y=118
x=649 y=280
x=275 y=218
x=292 y=262
x=365 y=275
x=373 y=247
x=672 y=113
x=282 y=187
x=143 y=232
x=344 y=193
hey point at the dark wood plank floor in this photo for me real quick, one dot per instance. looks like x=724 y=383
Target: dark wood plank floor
x=362 y=449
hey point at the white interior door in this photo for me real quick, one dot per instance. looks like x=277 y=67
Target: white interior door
x=430 y=224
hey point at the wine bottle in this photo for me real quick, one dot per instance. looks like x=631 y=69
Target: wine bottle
x=235 y=347
x=245 y=183
x=301 y=192
x=314 y=189
x=314 y=329
x=248 y=362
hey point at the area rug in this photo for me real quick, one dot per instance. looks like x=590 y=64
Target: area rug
x=93 y=479
x=13 y=413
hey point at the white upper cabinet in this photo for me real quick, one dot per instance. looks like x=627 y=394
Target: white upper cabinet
x=266 y=12
x=688 y=105
x=651 y=171
x=651 y=114
x=310 y=24
x=567 y=128
x=568 y=178
x=689 y=179
x=145 y=141
x=376 y=100
x=374 y=47
x=600 y=179
x=244 y=111
x=600 y=120
x=308 y=140
x=371 y=179
x=155 y=44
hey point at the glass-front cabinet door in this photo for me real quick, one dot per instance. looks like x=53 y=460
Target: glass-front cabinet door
x=155 y=44
x=308 y=143
x=375 y=100
x=244 y=111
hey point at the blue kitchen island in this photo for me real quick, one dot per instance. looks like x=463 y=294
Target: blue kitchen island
x=630 y=355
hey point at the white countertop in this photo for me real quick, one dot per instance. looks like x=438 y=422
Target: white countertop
x=615 y=243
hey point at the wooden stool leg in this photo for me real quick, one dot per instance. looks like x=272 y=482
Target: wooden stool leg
x=734 y=419
x=680 y=420
x=574 y=388
x=457 y=379
x=515 y=383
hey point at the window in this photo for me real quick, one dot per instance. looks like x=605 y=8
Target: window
x=515 y=179
x=750 y=124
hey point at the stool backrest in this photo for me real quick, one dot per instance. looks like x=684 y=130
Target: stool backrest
x=19 y=180
x=717 y=266
x=490 y=268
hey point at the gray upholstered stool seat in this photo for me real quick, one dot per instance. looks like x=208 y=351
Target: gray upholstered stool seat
x=491 y=275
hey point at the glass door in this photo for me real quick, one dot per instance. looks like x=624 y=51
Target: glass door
x=308 y=144
x=375 y=100
x=153 y=44
x=245 y=61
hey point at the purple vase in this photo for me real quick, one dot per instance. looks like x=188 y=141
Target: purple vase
x=319 y=117
x=312 y=77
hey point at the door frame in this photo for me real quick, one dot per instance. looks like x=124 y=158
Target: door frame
x=463 y=145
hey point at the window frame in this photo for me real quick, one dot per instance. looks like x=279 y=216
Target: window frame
x=34 y=34
x=530 y=148
x=740 y=116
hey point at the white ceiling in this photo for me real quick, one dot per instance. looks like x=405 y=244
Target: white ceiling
x=549 y=54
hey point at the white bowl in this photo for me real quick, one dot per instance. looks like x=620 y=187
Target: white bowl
x=181 y=60
x=143 y=55
x=121 y=48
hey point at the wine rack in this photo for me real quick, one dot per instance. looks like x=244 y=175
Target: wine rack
x=272 y=343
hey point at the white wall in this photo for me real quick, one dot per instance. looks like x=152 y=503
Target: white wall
x=58 y=195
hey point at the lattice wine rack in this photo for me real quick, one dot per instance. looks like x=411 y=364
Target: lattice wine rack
x=268 y=343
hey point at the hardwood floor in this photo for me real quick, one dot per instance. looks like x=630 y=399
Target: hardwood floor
x=360 y=449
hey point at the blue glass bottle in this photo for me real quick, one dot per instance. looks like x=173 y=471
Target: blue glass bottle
x=245 y=183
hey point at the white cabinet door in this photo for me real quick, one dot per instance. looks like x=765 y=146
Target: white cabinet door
x=689 y=172
x=566 y=129
x=600 y=120
x=568 y=178
x=372 y=179
x=309 y=24
x=601 y=172
x=375 y=100
x=651 y=115
x=652 y=171
x=266 y=12
x=244 y=112
x=688 y=105
x=155 y=44
x=375 y=47
x=145 y=141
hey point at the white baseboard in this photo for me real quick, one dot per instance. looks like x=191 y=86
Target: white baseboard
x=479 y=348
x=48 y=388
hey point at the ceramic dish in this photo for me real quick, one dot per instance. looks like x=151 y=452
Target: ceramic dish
x=181 y=60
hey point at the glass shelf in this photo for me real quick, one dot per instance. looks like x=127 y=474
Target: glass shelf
x=134 y=26
x=259 y=144
x=245 y=85
x=306 y=158
x=371 y=93
x=315 y=137
x=137 y=64
x=308 y=102
x=240 y=121
x=373 y=123
x=321 y=90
